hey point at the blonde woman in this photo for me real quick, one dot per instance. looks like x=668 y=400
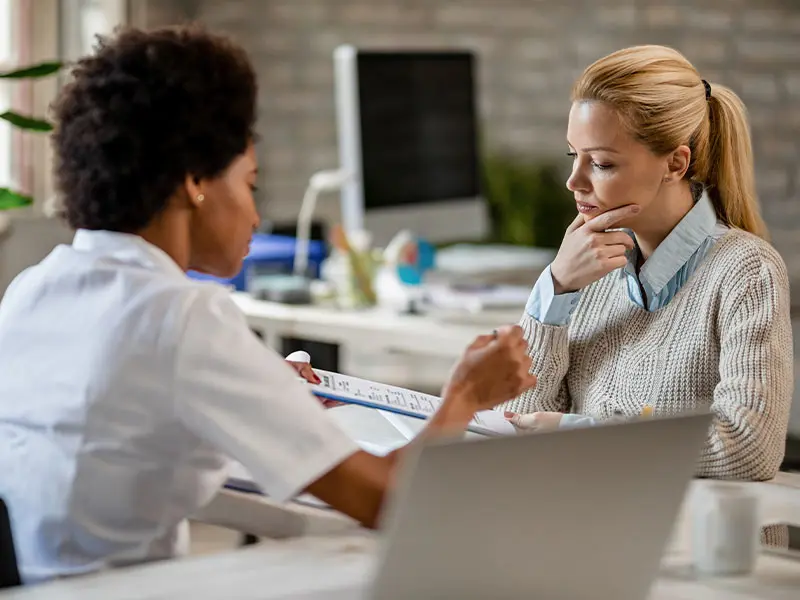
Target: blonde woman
x=665 y=295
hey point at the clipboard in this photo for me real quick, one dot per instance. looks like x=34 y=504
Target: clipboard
x=402 y=401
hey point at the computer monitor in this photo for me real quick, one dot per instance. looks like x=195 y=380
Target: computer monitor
x=408 y=135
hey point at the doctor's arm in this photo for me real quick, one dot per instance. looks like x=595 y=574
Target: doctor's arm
x=490 y=371
x=243 y=398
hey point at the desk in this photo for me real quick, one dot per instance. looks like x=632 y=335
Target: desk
x=372 y=329
x=378 y=330
x=265 y=518
x=338 y=568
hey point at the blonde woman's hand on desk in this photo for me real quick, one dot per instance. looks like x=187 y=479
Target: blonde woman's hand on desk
x=545 y=421
x=537 y=421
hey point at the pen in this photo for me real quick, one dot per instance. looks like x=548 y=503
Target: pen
x=647 y=411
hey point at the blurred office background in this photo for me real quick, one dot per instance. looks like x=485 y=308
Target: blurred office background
x=528 y=53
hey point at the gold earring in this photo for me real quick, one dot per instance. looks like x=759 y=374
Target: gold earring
x=200 y=198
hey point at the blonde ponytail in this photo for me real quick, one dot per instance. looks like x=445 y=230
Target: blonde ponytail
x=731 y=177
x=664 y=103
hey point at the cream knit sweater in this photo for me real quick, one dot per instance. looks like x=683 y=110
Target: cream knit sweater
x=723 y=343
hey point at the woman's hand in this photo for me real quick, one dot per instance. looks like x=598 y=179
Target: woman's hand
x=537 y=421
x=493 y=369
x=301 y=363
x=589 y=252
x=305 y=371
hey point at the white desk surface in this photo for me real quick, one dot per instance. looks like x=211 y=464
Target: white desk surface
x=369 y=328
x=265 y=518
x=339 y=567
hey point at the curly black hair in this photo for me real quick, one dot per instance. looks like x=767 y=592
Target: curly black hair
x=144 y=111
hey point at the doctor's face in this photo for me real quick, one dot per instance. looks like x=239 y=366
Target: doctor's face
x=225 y=221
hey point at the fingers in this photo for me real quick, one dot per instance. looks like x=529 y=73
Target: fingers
x=534 y=421
x=614 y=251
x=506 y=334
x=529 y=421
x=306 y=372
x=510 y=333
x=616 y=262
x=576 y=223
x=528 y=383
x=516 y=346
x=481 y=342
x=332 y=403
x=612 y=217
x=616 y=238
x=611 y=258
x=521 y=421
x=496 y=367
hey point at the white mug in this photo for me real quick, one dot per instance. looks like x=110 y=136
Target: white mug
x=726 y=529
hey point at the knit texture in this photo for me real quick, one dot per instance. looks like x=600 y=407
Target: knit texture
x=724 y=344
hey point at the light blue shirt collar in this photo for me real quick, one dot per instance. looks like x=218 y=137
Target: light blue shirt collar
x=677 y=248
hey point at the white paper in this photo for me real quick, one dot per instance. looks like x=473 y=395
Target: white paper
x=396 y=399
x=368 y=428
x=494 y=421
x=409 y=427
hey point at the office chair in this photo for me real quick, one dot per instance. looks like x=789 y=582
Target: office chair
x=9 y=575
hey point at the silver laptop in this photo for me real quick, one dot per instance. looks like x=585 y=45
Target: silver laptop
x=573 y=514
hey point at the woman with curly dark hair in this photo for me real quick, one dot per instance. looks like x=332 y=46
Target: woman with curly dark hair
x=124 y=385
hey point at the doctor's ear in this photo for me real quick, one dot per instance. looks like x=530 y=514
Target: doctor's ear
x=194 y=190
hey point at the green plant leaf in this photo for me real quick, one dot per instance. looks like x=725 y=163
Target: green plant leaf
x=25 y=122
x=33 y=71
x=10 y=199
x=528 y=201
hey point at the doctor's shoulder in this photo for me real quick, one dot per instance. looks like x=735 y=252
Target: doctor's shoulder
x=209 y=306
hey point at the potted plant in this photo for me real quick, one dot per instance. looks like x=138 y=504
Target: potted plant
x=528 y=201
x=9 y=198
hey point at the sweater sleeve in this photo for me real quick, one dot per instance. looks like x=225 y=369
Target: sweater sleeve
x=752 y=399
x=546 y=306
x=548 y=346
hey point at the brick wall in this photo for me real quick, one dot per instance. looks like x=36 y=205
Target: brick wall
x=530 y=52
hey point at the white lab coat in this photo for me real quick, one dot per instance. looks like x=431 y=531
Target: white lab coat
x=124 y=387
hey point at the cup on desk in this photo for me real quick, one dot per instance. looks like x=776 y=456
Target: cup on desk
x=725 y=529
